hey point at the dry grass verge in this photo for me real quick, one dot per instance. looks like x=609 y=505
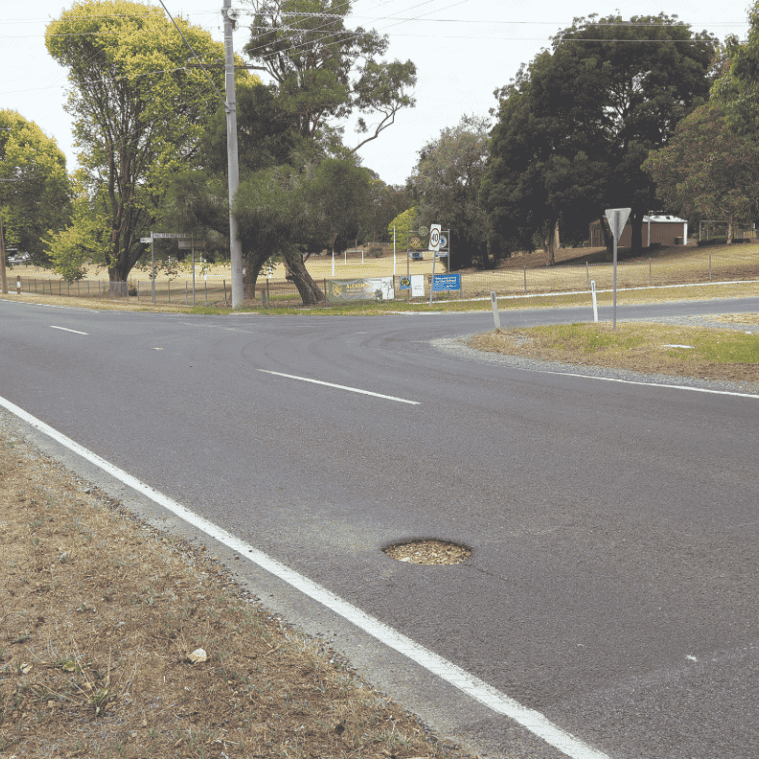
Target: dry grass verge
x=643 y=347
x=100 y=618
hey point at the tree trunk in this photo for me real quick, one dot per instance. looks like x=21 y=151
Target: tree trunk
x=249 y=280
x=117 y=276
x=551 y=244
x=309 y=291
x=636 y=235
x=729 y=229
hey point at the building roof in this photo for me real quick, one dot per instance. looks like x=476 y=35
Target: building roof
x=664 y=218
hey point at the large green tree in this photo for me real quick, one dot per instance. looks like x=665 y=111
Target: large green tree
x=298 y=211
x=324 y=72
x=35 y=190
x=446 y=184
x=576 y=126
x=139 y=113
x=707 y=170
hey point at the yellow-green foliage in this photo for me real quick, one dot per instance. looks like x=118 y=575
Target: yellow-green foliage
x=139 y=112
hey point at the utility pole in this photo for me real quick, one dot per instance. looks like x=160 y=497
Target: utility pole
x=233 y=167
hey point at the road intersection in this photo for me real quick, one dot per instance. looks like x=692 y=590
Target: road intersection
x=611 y=588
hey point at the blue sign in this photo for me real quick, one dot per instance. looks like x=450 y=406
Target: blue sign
x=444 y=282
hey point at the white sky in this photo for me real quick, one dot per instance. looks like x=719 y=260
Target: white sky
x=463 y=50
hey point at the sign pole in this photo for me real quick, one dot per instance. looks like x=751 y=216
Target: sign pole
x=432 y=281
x=434 y=246
x=152 y=264
x=617 y=218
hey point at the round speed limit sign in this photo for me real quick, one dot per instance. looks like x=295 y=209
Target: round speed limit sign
x=434 y=238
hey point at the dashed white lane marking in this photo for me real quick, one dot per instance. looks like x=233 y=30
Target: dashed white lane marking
x=66 y=329
x=342 y=387
x=472 y=686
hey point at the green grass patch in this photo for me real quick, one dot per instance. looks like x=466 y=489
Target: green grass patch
x=646 y=347
x=587 y=338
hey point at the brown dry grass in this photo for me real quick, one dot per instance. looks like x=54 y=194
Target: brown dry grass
x=638 y=346
x=99 y=615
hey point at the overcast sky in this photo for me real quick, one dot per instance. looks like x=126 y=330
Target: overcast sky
x=463 y=50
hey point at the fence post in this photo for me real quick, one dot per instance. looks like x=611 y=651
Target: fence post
x=325 y=291
x=268 y=294
x=587 y=273
x=224 y=285
x=185 y=294
x=494 y=303
x=168 y=286
x=525 y=278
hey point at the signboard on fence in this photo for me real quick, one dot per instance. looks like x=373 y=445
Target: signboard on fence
x=444 y=282
x=374 y=288
x=415 y=283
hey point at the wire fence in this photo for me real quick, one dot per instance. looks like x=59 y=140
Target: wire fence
x=739 y=264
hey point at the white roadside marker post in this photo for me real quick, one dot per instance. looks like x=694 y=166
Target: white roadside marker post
x=494 y=302
x=595 y=301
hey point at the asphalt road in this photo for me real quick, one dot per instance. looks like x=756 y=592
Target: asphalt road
x=614 y=527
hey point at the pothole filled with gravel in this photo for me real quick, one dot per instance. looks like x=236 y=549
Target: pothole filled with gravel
x=428 y=552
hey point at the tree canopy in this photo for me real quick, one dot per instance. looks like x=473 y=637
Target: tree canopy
x=139 y=113
x=297 y=211
x=707 y=170
x=35 y=190
x=324 y=72
x=737 y=89
x=576 y=125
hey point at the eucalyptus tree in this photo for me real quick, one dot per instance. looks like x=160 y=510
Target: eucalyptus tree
x=35 y=190
x=138 y=111
x=708 y=170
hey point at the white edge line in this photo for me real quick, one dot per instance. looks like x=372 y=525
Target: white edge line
x=341 y=387
x=646 y=384
x=472 y=686
x=66 y=329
